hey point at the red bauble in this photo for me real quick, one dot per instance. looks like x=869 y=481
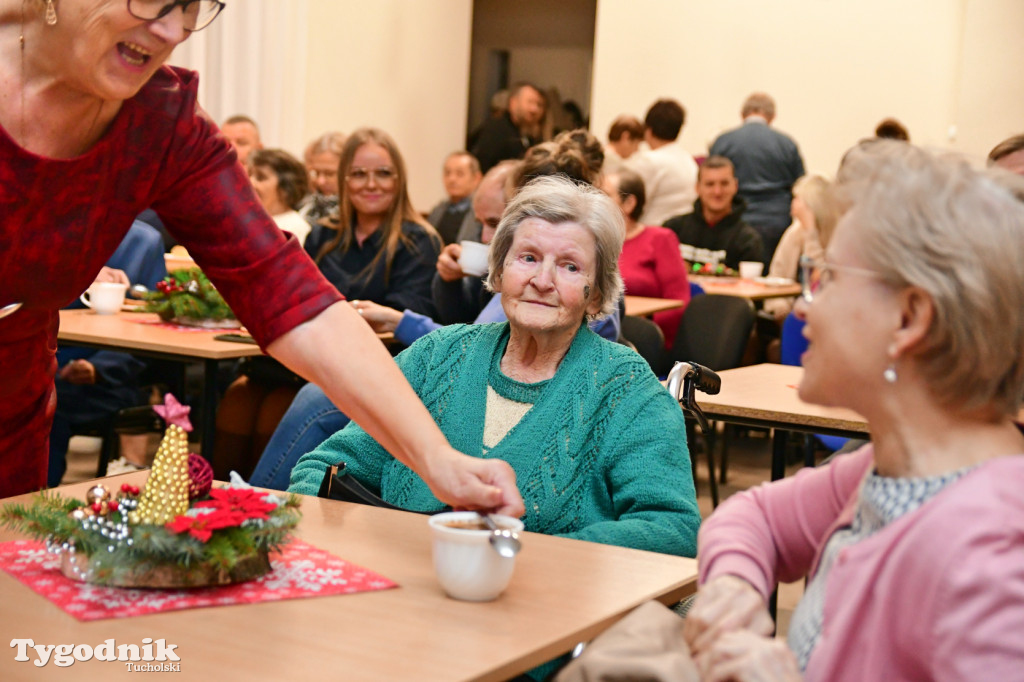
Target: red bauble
x=200 y=475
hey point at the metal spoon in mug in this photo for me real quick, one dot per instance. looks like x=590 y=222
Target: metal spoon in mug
x=9 y=309
x=504 y=541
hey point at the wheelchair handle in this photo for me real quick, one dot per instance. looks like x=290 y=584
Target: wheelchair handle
x=684 y=379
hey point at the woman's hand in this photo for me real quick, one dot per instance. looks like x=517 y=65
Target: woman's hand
x=467 y=482
x=112 y=275
x=725 y=604
x=448 y=263
x=379 y=317
x=743 y=656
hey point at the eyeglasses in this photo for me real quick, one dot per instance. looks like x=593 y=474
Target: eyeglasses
x=197 y=14
x=360 y=177
x=326 y=174
x=817 y=274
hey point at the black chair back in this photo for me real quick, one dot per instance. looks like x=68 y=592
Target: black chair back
x=714 y=331
x=646 y=337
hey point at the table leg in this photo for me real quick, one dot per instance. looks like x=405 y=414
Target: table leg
x=208 y=420
x=780 y=440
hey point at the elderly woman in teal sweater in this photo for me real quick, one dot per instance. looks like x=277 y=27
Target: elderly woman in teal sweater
x=597 y=444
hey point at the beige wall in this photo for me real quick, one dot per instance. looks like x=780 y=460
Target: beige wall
x=943 y=67
x=990 y=91
x=399 y=65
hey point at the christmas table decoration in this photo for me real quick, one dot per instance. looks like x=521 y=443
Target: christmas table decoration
x=187 y=297
x=173 y=532
x=712 y=270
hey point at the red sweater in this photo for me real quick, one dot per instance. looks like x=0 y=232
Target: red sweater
x=61 y=219
x=652 y=266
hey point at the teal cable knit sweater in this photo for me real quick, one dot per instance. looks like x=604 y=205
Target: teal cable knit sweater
x=600 y=456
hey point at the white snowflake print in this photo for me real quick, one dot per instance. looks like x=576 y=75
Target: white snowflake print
x=302 y=575
x=114 y=598
x=37 y=556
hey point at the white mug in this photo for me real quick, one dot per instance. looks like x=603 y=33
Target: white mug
x=466 y=565
x=750 y=269
x=106 y=298
x=473 y=260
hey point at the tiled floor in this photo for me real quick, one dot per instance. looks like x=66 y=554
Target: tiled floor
x=749 y=460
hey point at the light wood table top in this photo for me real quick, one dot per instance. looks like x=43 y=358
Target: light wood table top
x=642 y=306
x=563 y=592
x=745 y=288
x=766 y=395
x=125 y=332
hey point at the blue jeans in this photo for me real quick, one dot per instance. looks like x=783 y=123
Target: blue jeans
x=311 y=419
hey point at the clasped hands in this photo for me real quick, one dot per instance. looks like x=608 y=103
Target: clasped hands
x=729 y=632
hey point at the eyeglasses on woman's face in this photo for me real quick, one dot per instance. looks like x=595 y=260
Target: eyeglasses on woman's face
x=197 y=14
x=360 y=177
x=816 y=274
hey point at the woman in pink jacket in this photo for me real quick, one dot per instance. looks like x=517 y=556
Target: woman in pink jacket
x=913 y=546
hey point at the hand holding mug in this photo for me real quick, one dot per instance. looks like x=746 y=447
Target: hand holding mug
x=448 y=263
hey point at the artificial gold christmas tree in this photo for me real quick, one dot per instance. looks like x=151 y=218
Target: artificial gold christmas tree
x=165 y=495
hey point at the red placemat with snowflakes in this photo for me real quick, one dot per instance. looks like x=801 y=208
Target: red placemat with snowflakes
x=300 y=570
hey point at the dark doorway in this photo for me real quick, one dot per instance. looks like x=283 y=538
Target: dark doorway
x=550 y=44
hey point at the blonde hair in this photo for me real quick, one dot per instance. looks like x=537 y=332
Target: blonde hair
x=936 y=224
x=401 y=209
x=816 y=192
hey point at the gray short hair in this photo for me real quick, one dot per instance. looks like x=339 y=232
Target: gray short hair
x=936 y=224
x=560 y=200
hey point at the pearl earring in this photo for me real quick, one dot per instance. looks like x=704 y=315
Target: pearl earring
x=890 y=374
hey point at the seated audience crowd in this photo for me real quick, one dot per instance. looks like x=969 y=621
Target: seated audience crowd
x=911 y=301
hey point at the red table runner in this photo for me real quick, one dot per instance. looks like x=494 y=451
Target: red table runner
x=300 y=570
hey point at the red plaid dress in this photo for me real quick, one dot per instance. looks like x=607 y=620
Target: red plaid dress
x=60 y=220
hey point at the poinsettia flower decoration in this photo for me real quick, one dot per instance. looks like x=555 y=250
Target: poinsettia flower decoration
x=201 y=527
x=244 y=503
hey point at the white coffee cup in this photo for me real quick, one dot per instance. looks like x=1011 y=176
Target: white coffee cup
x=473 y=260
x=106 y=298
x=749 y=269
x=466 y=565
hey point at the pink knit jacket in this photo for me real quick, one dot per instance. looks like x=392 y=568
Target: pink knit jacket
x=937 y=594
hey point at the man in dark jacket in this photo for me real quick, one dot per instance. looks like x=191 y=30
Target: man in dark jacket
x=767 y=164
x=715 y=232
x=508 y=136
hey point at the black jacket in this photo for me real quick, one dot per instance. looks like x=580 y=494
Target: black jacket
x=729 y=242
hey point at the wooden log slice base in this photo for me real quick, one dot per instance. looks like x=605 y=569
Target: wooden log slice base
x=170 y=576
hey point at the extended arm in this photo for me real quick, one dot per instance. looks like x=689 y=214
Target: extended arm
x=367 y=385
